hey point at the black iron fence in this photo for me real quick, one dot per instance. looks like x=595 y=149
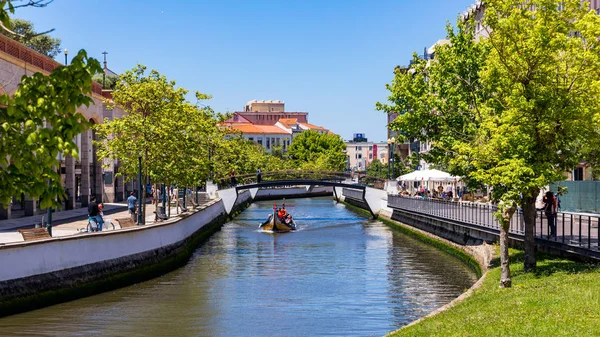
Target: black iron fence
x=577 y=229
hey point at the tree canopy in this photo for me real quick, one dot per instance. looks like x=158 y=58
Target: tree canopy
x=316 y=151
x=514 y=110
x=26 y=34
x=38 y=122
x=108 y=81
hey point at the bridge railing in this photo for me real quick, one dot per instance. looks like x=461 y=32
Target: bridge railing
x=576 y=229
x=247 y=179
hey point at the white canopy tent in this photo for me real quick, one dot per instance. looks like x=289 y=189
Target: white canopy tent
x=429 y=175
x=430 y=179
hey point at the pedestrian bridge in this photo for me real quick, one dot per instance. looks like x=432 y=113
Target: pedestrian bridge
x=369 y=190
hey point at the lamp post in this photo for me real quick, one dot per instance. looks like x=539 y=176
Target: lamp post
x=391 y=143
x=141 y=219
x=66 y=53
x=389 y=157
x=392 y=160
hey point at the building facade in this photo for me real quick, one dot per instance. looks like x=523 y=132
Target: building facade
x=269 y=125
x=360 y=153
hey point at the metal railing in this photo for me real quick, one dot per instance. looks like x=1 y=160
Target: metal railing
x=354 y=194
x=576 y=229
x=299 y=175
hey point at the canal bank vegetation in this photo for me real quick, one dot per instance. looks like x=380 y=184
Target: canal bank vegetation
x=561 y=298
x=498 y=119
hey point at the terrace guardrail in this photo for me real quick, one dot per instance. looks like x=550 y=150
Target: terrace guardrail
x=574 y=229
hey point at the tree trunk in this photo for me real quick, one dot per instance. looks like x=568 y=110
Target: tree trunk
x=529 y=214
x=505 y=281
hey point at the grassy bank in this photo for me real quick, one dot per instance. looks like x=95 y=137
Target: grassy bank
x=561 y=299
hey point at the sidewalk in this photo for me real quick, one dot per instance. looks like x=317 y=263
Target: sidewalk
x=75 y=221
x=57 y=217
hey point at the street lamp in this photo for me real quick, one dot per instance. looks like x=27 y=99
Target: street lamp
x=66 y=53
x=391 y=142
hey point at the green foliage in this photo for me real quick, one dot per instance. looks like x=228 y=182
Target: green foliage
x=38 y=122
x=315 y=151
x=180 y=143
x=540 y=304
x=43 y=44
x=514 y=110
x=110 y=81
x=377 y=170
x=171 y=135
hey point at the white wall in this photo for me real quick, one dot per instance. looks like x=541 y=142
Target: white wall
x=39 y=257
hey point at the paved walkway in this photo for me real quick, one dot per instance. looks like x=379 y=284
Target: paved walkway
x=57 y=217
x=72 y=222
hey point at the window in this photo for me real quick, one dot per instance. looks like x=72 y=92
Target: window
x=251 y=138
x=359 y=148
x=268 y=143
x=259 y=141
x=370 y=156
x=370 y=148
x=360 y=156
x=578 y=173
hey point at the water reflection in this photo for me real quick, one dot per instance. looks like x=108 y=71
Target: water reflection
x=348 y=276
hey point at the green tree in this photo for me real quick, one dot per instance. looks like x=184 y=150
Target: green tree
x=315 y=151
x=377 y=170
x=513 y=111
x=26 y=34
x=38 y=122
x=161 y=127
x=109 y=81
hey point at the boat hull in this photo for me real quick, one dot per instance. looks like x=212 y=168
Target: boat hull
x=275 y=225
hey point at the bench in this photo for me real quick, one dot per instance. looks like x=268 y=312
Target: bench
x=33 y=234
x=125 y=222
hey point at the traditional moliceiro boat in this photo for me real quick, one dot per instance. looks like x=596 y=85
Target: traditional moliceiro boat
x=280 y=221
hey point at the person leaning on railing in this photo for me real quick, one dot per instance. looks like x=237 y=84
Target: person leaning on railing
x=550 y=211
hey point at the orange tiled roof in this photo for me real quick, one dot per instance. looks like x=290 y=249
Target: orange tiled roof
x=313 y=127
x=288 y=120
x=259 y=129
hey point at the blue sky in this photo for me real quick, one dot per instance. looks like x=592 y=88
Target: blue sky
x=330 y=58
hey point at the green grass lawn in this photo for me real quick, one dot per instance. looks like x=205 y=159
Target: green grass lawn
x=561 y=299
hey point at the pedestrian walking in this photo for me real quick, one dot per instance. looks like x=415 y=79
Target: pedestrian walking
x=258 y=175
x=232 y=180
x=131 y=205
x=550 y=212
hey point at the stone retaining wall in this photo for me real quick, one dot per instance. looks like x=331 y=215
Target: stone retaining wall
x=45 y=272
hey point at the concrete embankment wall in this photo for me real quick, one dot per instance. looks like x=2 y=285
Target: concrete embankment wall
x=294 y=192
x=45 y=272
x=471 y=249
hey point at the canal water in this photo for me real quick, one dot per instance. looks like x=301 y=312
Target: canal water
x=340 y=274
